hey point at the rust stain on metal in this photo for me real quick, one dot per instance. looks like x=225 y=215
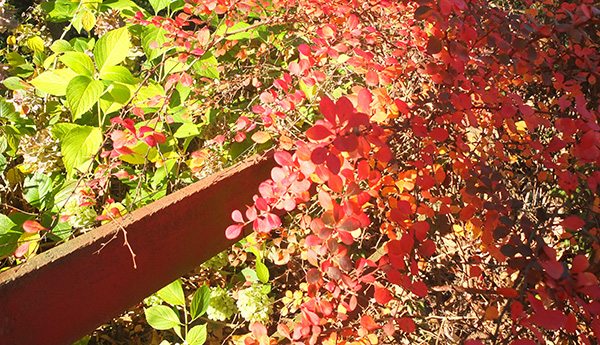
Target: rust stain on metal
x=63 y=294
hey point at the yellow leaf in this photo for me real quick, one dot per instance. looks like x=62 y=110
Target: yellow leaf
x=459 y=230
x=35 y=43
x=88 y=20
x=261 y=137
x=33 y=240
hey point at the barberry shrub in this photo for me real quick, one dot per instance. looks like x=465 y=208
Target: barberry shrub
x=437 y=160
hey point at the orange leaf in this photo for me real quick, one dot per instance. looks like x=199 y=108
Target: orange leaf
x=372 y=78
x=368 y=323
x=261 y=137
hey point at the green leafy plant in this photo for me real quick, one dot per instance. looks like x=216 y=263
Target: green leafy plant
x=162 y=317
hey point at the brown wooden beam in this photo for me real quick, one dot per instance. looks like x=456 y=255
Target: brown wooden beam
x=65 y=293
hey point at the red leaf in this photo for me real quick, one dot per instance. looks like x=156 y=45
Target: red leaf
x=368 y=323
x=553 y=268
x=327 y=108
x=572 y=223
x=419 y=288
x=406 y=324
x=333 y=163
x=549 y=319
x=319 y=155
x=473 y=342
x=32 y=227
x=580 y=264
x=344 y=108
x=364 y=100
x=439 y=134
x=346 y=237
x=233 y=231
x=382 y=295
x=312 y=240
x=186 y=80
x=318 y=132
x=283 y=158
x=284 y=330
x=311 y=317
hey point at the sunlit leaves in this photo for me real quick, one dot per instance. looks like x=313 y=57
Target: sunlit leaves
x=79 y=146
x=82 y=93
x=161 y=317
x=112 y=48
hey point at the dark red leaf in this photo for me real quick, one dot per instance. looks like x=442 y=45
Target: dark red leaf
x=549 y=319
x=406 y=324
x=313 y=276
x=434 y=45
x=573 y=223
x=419 y=288
x=319 y=155
x=423 y=12
x=553 y=268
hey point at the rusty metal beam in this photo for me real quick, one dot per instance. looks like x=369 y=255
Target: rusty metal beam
x=65 y=293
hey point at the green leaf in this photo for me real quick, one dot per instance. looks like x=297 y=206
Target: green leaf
x=161 y=317
x=54 y=82
x=112 y=48
x=79 y=146
x=80 y=63
x=6 y=109
x=262 y=272
x=61 y=46
x=59 y=130
x=158 y=5
x=187 y=130
x=172 y=293
x=207 y=66
x=3 y=162
x=59 y=11
x=153 y=34
x=82 y=93
x=117 y=73
x=249 y=275
x=9 y=235
x=15 y=83
x=196 y=335
x=37 y=189
x=200 y=302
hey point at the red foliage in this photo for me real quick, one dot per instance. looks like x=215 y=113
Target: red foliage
x=466 y=123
